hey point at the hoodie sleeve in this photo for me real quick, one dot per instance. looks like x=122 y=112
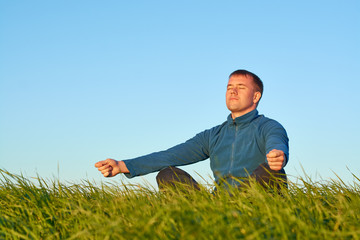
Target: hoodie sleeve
x=275 y=137
x=193 y=150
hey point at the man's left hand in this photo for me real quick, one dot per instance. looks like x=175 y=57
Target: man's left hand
x=276 y=159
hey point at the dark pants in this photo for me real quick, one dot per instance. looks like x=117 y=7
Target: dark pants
x=266 y=177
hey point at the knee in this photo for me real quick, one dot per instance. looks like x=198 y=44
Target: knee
x=163 y=174
x=166 y=176
x=264 y=175
x=171 y=176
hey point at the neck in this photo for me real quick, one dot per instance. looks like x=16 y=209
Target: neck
x=239 y=114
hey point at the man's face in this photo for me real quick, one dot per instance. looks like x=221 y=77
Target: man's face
x=241 y=95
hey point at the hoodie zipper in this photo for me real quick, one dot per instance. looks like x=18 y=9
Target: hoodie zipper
x=233 y=148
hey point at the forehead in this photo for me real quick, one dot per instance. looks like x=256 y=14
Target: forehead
x=240 y=79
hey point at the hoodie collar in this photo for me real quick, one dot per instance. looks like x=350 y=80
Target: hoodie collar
x=244 y=119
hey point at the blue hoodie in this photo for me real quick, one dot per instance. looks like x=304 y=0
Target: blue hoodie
x=235 y=148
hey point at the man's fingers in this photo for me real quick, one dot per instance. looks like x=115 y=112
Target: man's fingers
x=275 y=167
x=274 y=153
x=106 y=174
x=103 y=163
x=106 y=171
x=275 y=164
x=275 y=156
x=275 y=159
x=106 y=168
x=99 y=164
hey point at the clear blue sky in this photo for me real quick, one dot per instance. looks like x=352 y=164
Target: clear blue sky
x=82 y=81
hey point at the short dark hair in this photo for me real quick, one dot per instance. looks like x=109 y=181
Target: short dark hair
x=257 y=81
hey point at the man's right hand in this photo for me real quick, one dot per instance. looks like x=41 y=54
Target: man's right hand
x=108 y=167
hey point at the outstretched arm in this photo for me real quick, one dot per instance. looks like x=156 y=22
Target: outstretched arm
x=111 y=167
x=276 y=144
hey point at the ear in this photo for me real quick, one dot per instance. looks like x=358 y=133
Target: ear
x=257 y=96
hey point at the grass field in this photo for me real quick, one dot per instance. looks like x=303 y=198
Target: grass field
x=53 y=210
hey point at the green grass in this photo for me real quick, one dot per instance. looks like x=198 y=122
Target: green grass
x=53 y=210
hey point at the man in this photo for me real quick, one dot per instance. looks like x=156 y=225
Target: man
x=246 y=144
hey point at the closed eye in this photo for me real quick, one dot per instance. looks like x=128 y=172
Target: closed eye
x=237 y=87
